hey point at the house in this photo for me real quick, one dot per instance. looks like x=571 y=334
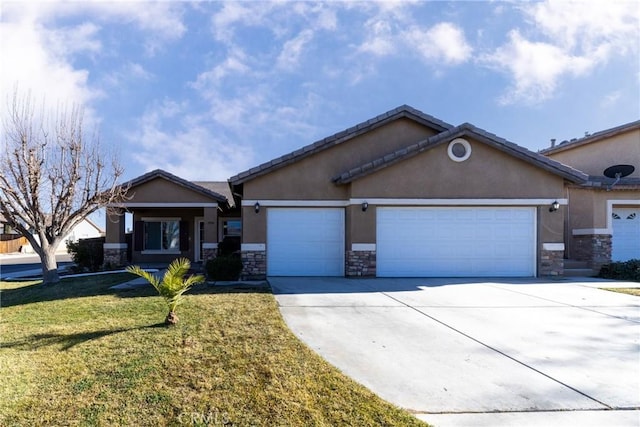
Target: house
x=85 y=229
x=403 y=194
x=603 y=220
x=172 y=217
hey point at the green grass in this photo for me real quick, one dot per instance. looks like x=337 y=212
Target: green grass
x=630 y=291
x=77 y=353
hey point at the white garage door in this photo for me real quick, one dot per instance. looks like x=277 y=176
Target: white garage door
x=625 y=243
x=456 y=242
x=305 y=242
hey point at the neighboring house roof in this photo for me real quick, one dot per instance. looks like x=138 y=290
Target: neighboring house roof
x=403 y=111
x=159 y=173
x=220 y=187
x=94 y=225
x=466 y=129
x=608 y=133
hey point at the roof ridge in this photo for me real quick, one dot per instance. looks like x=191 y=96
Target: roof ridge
x=463 y=129
x=340 y=137
x=174 y=178
x=597 y=136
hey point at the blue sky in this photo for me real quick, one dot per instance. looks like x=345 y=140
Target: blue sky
x=208 y=89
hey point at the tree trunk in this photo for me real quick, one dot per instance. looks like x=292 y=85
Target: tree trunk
x=49 y=265
x=172 y=318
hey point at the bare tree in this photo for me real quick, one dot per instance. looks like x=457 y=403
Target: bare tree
x=52 y=176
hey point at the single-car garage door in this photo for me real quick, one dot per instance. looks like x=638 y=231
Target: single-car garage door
x=305 y=242
x=456 y=242
x=625 y=243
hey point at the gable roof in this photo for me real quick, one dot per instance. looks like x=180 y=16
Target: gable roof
x=598 y=136
x=159 y=173
x=220 y=187
x=404 y=111
x=469 y=130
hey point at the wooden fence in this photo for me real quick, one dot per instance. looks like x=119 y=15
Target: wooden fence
x=13 y=245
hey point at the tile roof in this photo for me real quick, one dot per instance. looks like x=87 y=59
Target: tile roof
x=465 y=129
x=159 y=173
x=220 y=187
x=404 y=111
x=607 y=133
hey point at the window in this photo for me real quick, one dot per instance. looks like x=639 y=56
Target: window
x=231 y=227
x=162 y=235
x=459 y=150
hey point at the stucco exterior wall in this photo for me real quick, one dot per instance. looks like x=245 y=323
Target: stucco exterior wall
x=488 y=173
x=310 y=178
x=593 y=158
x=162 y=191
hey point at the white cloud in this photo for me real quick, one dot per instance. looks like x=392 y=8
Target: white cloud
x=191 y=150
x=293 y=49
x=611 y=99
x=535 y=67
x=567 y=39
x=39 y=54
x=444 y=42
x=380 y=38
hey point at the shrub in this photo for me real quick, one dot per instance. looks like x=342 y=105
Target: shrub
x=627 y=270
x=87 y=254
x=230 y=245
x=224 y=268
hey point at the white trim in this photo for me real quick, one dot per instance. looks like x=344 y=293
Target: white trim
x=196 y=235
x=209 y=246
x=459 y=202
x=404 y=202
x=297 y=203
x=253 y=247
x=163 y=205
x=610 y=204
x=553 y=246
x=114 y=246
x=589 y=231
x=360 y=247
x=466 y=145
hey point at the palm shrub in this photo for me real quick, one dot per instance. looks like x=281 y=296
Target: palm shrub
x=172 y=286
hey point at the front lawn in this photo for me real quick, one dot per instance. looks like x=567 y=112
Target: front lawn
x=77 y=353
x=630 y=291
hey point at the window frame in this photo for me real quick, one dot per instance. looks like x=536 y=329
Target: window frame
x=161 y=220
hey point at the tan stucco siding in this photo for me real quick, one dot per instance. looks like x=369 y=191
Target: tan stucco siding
x=488 y=173
x=254 y=225
x=595 y=157
x=162 y=191
x=588 y=207
x=361 y=226
x=310 y=178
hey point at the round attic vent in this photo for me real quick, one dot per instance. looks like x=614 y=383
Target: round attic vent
x=459 y=150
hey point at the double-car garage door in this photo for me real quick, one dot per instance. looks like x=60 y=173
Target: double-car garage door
x=411 y=241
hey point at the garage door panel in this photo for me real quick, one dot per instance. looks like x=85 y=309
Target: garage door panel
x=456 y=241
x=625 y=244
x=305 y=242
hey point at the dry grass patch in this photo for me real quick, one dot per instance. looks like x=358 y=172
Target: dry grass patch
x=630 y=291
x=80 y=354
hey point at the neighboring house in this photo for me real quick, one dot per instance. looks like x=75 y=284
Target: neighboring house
x=405 y=194
x=401 y=195
x=172 y=218
x=84 y=230
x=603 y=221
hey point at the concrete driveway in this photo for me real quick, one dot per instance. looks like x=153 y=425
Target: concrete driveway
x=462 y=352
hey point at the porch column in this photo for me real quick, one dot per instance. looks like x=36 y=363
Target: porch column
x=210 y=241
x=115 y=246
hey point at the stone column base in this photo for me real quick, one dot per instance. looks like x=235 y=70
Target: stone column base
x=254 y=265
x=595 y=249
x=360 y=264
x=551 y=263
x=115 y=254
